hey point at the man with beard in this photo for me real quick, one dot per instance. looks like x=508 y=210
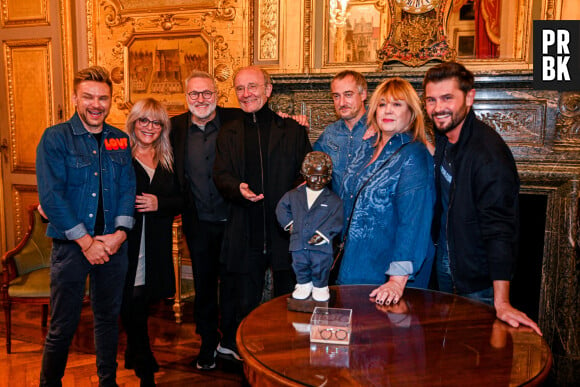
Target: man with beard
x=193 y=137
x=86 y=187
x=341 y=139
x=258 y=159
x=475 y=223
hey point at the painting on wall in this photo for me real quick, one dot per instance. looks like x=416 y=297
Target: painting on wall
x=157 y=67
x=355 y=36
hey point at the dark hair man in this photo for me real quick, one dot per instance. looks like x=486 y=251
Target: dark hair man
x=475 y=225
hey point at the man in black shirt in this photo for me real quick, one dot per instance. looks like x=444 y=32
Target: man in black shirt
x=193 y=137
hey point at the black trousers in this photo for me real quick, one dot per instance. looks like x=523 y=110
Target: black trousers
x=204 y=247
x=243 y=291
x=134 y=317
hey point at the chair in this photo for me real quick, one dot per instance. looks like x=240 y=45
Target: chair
x=26 y=271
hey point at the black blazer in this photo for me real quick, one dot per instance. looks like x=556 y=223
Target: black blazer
x=178 y=137
x=159 y=273
x=288 y=144
x=483 y=214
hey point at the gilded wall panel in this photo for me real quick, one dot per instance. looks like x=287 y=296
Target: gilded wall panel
x=28 y=67
x=268 y=31
x=23 y=196
x=151 y=53
x=164 y=5
x=19 y=13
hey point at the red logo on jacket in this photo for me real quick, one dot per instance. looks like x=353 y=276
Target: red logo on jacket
x=115 y=143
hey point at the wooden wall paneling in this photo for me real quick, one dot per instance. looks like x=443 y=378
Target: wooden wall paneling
x=22 y=197
x=18 y=13
x=28 y=67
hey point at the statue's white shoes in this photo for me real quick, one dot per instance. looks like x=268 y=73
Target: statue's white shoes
x=321 y=294
x=302 y=291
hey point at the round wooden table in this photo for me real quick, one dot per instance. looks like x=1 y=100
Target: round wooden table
x=429 y=338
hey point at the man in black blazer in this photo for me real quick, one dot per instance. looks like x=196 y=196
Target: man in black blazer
x=258 y=159
x=193 y=137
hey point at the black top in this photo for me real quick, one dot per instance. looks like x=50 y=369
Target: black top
x=199 y=158
x=256 y=139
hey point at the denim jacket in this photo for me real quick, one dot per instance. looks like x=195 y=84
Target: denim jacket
x=341 y=144
x=68 y=173
x=391 y=220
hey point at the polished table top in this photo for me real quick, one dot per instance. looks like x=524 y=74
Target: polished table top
x=429 y=338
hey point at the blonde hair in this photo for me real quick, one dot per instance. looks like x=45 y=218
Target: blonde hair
x=150 y=107
x=398 y=89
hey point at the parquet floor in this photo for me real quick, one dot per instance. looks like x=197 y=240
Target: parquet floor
x=174 y=345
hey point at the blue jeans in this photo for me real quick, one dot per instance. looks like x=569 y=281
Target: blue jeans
x=445 y=281
x=485 y=296
x=68 y=275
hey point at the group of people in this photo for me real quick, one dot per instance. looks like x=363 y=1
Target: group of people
x=110 y=198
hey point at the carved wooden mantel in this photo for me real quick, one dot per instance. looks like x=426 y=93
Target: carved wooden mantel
x=543 y=131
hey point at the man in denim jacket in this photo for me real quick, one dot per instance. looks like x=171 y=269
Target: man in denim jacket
x=86 y=186
x=341 y=139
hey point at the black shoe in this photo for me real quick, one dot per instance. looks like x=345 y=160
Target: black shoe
x=229 y=352
x=205 y=362
x=147 y=380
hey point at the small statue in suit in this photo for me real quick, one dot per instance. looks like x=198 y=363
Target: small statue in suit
x=313 y=215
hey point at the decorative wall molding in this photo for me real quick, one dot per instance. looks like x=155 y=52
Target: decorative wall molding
x=268 y=30
x=568 y=121
x=22 y=197
x=520 y=122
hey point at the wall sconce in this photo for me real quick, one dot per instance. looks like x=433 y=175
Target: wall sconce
x=338 y=14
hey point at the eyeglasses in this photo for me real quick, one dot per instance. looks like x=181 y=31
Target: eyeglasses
x=327 y=333
x=252 y=88
x=206 y=94
x=144 y=121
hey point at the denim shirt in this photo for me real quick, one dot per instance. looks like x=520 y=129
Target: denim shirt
x=390 y=229
x=341 y=144
x=68 y=173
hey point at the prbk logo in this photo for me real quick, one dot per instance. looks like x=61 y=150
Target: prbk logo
x=557 y=55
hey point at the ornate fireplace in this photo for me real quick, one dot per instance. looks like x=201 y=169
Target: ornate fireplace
x=543 y=131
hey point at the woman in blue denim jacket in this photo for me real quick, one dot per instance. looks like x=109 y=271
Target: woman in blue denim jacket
x=388 y=240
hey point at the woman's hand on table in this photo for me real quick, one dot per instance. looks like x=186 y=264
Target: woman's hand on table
x=391 y=291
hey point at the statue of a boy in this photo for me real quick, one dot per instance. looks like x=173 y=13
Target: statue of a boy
x=313 y=215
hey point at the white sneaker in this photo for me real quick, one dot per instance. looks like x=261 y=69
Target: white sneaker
x=321 y=294
x=302 y=291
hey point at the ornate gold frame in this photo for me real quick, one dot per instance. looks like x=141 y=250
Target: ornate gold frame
x=382 y=13
x=114 y=24
x=172 y=99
